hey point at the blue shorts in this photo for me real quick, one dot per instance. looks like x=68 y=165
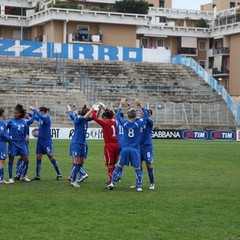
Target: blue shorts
x=44 y=147
x=78 y=150
x=3 y=150
x=147 y=153
x=18 y=148
x=129 y=154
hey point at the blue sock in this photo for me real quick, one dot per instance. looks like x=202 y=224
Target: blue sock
x=139 y=177
x=10 y=170
x=20 y=168
x=55 y=165
x=18 y=165
x=75 y=169
x=81 y=171
x=72 y=170
x=24 y=169
x=38 y=167
x=1 y=174
x=115 y=174
x=151 y=175
x=120 y=174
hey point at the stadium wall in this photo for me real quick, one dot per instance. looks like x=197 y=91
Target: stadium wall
x=20 y=48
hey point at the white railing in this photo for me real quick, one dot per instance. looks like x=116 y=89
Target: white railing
x=234 y=107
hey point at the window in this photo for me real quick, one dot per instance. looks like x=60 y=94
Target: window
x=202 y=45
x=161 y=3
x=232 y=4
x=226 y=62
x=83 y=33
x=160 y=42
x=230 y=20
x=144 y=42
x=222 y=22
x=162 y=19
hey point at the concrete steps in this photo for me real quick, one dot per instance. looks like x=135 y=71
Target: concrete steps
x=52 y=83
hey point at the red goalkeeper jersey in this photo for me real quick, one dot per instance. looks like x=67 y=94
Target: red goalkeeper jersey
x=108 y=127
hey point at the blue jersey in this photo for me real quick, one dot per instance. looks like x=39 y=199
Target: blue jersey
x=4 y=136
x=146 y=136
x=44 y=126
x=132 y=130
x=18 y=129
x=119 y=134
x=80 y=128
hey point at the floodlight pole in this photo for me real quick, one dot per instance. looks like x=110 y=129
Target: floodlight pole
x=21 y=20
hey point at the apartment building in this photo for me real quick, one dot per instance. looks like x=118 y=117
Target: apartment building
x=211 y=36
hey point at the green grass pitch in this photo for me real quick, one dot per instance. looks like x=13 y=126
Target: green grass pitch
x=196 y=196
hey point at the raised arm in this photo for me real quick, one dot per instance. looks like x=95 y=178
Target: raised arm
x=31 y=120
x=88 y=114
x=70 y=113
x=39 y=115
x=119 y=117
x=144 y=110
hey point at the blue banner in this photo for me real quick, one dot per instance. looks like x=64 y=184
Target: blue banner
x=24 y=48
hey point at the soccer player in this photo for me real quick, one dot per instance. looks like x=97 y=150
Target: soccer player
x=120 y=137
x=130 y=151
x=111 y=147
x=4 y=137
x=20 y=162
x=44 y=141
x=146 y=147
x=18 y=129
x=82 y=175
x=78 y=147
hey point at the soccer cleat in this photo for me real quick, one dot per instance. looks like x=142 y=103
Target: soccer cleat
x=139 y=189
x=151 y=186
x=111 y=186
x=36 y=178
x=75 y=184
x=25 y=179
x=82 y=178
x=70 y=178
x=133 y=186
x=16 y=178
x=10 y=181
x=58 y=177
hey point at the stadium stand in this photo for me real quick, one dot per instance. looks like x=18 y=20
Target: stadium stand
x=178 y=97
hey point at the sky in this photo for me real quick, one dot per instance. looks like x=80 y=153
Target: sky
x=189 y=4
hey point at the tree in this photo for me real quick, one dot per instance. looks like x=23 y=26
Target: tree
x=202 y=23
x=131 y=6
